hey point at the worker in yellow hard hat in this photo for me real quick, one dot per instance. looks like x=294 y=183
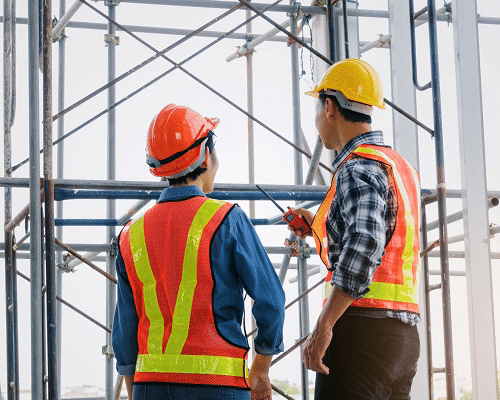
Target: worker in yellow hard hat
x=365 y=344
x=182 y=268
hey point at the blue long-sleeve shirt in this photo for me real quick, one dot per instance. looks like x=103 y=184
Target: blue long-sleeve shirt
x=239 y=261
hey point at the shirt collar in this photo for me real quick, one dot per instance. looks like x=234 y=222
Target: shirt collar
x=180 y=193
x=373 y=137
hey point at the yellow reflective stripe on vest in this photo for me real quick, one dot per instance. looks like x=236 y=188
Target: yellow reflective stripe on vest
x=182 y=313
x=190 y=364
x=145 y=275
x=389 y=291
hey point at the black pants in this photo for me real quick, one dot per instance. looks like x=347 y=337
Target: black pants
x=369 y=358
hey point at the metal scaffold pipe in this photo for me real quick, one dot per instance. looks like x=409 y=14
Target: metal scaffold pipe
x=61 y=70
x=441 y=198
x=247 y=48
x=63 y=21
x=11 y=311
x=34 y=180
x=111 y=41
x=50 y=262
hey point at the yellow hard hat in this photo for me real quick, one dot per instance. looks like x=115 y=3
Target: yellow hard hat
x=355 y=79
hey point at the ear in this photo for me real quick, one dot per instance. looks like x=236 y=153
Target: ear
x=204 y=164
x=330 y=108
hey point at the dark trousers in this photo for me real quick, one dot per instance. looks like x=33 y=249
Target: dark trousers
x=369 y=358
x=163 y=391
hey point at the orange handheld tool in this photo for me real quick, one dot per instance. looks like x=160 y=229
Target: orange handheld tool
x=293 y=219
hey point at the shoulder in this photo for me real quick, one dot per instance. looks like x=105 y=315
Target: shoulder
x=363 y=174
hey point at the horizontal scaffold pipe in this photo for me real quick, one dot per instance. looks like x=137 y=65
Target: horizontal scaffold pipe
x=68 y=194
x=350 y=12
x=158 y=185
x=226 y=4
x=74 y=246
x=161 y=30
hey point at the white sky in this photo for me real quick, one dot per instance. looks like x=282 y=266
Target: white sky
x=85 y=152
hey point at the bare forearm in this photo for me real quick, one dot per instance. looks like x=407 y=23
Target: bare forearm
x=337 y=303
x=129 y=380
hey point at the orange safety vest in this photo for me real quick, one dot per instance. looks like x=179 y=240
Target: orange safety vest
x=167 y=257
x=395 y=282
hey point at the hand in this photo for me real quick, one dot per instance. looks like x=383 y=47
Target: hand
x=308 y=216
x=260 y=385
x=314 y=350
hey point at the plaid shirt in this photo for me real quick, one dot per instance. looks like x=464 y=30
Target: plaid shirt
x=360 y=223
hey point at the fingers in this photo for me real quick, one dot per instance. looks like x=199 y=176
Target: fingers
x=312 y=356
x=300 y=234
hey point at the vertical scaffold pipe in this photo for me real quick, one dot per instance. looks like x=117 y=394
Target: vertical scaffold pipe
x=50 y=264
x=330 y=12
x=34 y=182
x=111 y=204
x=12 y=347
x=299 y=179
x=251 y=141
x=60 y=175
x=425 y=264
x=346 y=30
x=441 y=195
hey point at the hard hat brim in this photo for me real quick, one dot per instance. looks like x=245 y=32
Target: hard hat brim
x=313 y=93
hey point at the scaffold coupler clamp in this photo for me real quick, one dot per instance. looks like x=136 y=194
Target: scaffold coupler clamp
x=108 y=351
x=59 y=37
x=297 y=10
x=113 y=249
x=249 y=38
x=64 y=267
x=109 y=3
x=110 y=38
x=305 y=251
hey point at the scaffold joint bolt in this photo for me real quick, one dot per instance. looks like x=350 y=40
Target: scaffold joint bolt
x=108 y=3
x=113 y=251
x=109 y=38
x=108 y=351
x=306 y=251
x=297 y=10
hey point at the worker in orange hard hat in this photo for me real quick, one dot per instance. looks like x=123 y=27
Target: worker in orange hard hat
x=182 y=268
x=365 y=344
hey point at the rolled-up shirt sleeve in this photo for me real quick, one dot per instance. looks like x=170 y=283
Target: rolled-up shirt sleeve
x=362 y=187
x=124 y=332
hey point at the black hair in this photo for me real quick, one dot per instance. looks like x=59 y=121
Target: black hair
x=198 y=171
x=348 y=115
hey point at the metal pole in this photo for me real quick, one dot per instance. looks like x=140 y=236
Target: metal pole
x=250 y=98
x=346 y=30
x=331 y=30
x=60 y=174
x=475 y=215
x=299 y=179
x=441 y=191
x=12 y=350
x=427 y=301
x=34 y=181
x=50 y=264
x=65 y=18
x=112 y=42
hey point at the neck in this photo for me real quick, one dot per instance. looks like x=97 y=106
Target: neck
x=349 y=130
x=199 y=182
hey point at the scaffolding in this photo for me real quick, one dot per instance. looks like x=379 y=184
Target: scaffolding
x=335 y=35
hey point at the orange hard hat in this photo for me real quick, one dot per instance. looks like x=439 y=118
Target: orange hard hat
x=177 y=140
